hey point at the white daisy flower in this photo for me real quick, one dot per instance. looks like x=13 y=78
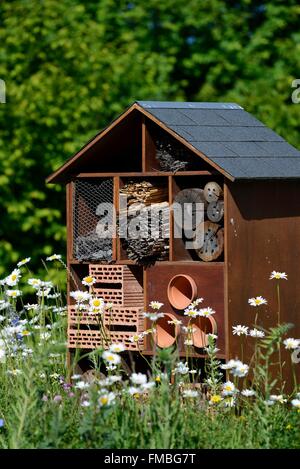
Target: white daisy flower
x=155 y=305
x=206 y=312
x=45 y=335
x=80 y=296
x=136 y=337
x=291 y=344
x=248 y=392
x=188 y=342
x=181 y=368
x=81 y=385
x=54 y=257
x=24 y=261
x=111 y=367
x=296 y=403
x=4 y=304
x=278 y=275
x=111 y=358
x=117 y=348
x=14 y=372
x=153 y=316
x=228 y=389
x=190 y=393
x=13 y=293
x=147 y=386
x=134 y=391
x=240 y=370
x=43 y=292
x=112 y=379
x=97 y=304
x=191 y=312
x=278 y=398
x=34 y=282
x=258 y=301
x=240 y=330
x=53 y=296
x=231 y=364
x=256 y=333
x=138 y=378
x=106 y=400
x=13 y=278
x=88 y=281
x=2 y=355
x=32 y=307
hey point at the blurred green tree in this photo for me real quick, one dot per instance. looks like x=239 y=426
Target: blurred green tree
x=71 y=66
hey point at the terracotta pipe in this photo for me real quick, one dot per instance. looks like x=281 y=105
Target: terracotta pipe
x=166 y=333
x=203 y=326
x=182 y=290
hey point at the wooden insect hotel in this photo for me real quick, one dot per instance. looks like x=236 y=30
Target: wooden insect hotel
x=151 y=161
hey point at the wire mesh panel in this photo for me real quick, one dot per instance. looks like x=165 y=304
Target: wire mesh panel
x=93 y=219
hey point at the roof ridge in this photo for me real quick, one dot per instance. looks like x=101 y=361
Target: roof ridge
x=188 y=105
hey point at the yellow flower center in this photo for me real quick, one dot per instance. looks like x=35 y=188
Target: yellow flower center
x=88 y=279
x=97 y=303
x=104 y=400
x=14 y=277
x=215 y=399
x=192 y=313
x=227 y=388
x=110 y=358
x=158 y=379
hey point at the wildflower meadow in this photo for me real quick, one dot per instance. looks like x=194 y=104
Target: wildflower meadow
x=47 y=401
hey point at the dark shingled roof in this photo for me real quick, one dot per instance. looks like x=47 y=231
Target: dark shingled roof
x=230 y=137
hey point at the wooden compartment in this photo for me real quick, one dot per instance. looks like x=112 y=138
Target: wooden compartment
x=209 y=281
x=191 y=190
x=144 y=220
x=163 y=152
x=93 y=219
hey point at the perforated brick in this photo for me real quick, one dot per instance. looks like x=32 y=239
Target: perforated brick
x=114 y=322
x=90 y=339
x=130 y=293
x=107 y=273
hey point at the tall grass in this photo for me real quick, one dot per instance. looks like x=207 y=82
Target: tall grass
x=171 y=407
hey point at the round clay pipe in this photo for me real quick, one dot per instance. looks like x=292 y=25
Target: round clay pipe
x=166 y=333
x=182 y=290
x=203 y=326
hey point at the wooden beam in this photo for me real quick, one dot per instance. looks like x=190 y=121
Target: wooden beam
x=146 y=174
x=144 y=130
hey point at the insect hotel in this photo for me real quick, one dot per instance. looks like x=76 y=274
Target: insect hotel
x=153 y=159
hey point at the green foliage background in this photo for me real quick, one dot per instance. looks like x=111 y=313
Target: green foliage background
x=71 y=66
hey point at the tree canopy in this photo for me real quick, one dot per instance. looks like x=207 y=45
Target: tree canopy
x=71 y=66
